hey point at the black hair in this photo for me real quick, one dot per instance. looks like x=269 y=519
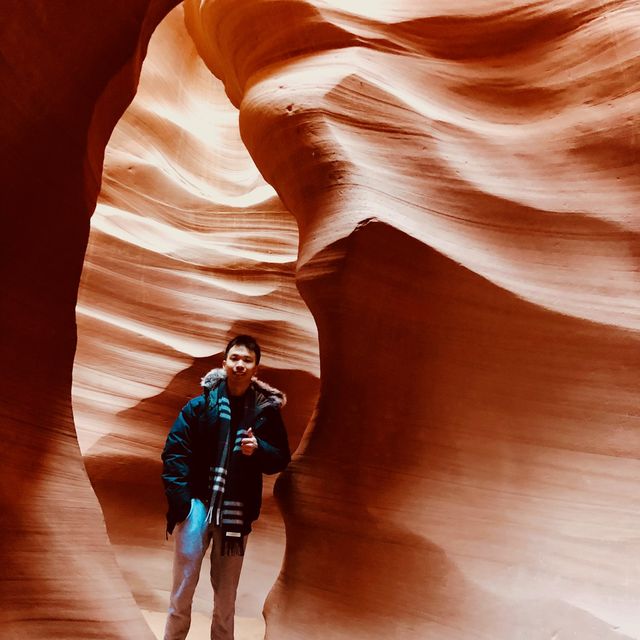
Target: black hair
x=245 y=341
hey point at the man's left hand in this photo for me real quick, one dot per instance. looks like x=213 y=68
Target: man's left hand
x=249 y=444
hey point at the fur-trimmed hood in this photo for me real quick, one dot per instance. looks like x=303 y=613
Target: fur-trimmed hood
x=266 y=394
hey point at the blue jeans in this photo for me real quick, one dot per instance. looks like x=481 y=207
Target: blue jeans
x=192 y=539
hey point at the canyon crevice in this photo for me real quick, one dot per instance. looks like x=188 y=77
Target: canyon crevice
x=464 y=184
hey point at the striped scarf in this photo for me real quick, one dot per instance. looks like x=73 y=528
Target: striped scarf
x=226 y=506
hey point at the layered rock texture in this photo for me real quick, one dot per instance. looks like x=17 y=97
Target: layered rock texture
x=68 y=72
x=464 y=178
x=464 y=181
x=188 y=246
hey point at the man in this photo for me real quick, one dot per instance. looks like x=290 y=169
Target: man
x=216 y=452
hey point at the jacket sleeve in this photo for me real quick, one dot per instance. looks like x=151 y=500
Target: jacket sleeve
x=177 y=459
x=273 y=453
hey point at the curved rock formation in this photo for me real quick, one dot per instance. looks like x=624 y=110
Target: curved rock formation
x=463 y=177
x=68 y=72
x=188 y=244
x=465 y=183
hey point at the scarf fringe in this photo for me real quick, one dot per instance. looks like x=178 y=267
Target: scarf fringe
x=232 y=546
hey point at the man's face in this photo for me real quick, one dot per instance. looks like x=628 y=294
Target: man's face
x=240 y=365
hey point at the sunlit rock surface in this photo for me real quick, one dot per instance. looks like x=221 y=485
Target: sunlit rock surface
x=464 y=177
x=188 y=246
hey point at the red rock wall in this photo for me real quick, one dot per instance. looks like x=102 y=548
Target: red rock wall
x=188 y=244
x=69 y=70
x=464 y=180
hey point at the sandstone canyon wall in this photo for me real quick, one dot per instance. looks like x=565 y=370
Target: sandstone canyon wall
x=68 y=71
x=464 y=177
x=188 y=244
x=464 y=180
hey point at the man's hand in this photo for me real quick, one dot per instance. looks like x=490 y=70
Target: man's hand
x=249 y=444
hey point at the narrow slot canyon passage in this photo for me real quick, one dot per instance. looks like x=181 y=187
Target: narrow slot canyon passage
x=441 y=218
x=188 y=247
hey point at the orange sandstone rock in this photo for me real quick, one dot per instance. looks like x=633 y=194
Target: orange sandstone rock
x=188 y=245
x=464 y=181
x=69 y=71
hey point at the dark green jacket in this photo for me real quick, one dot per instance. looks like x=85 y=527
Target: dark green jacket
x=191 y=449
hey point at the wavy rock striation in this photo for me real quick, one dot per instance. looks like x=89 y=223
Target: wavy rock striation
x=69 y=71
x=464 y=180
x=188 y=245
x=465 y=184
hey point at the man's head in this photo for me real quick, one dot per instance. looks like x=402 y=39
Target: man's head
x=247 y=341
x=241 y=358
